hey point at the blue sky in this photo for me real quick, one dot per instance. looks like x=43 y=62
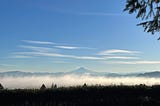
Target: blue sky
x=62 y=35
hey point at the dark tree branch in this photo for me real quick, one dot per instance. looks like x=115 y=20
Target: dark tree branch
x=148 y=10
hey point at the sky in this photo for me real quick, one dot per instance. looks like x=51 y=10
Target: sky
x=62 y=35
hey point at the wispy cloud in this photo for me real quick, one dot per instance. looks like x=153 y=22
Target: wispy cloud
x=20 y=56
x=38 y=42
x=121 y=57
x=72 y=47
x=36 y=54
x=60 y=62
x=51 y=43
x=57 y=55
x=67 y=47
x=36 y=48
x=38 y=51
x=86 y=57
x=111 y=55
x=117 y=51
x=145 y=62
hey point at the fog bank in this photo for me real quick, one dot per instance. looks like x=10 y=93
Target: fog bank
x=72 y=80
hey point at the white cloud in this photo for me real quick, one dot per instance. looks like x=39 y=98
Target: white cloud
x=39 y=54
x=39 y=49
x=58 y=55
x=66 y=47
x=38 y=42
x=60 y=62
x=121 y=57
x=86 y=57
x=117 y=51
x=134 y=62
x=51 y=43
x=21 y=56
x=72 y=47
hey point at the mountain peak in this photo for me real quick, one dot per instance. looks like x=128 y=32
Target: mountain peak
x=81 y=70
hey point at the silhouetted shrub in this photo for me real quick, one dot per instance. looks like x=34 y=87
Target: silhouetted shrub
x=43 y=87
x=1 y=86
x=53 y=86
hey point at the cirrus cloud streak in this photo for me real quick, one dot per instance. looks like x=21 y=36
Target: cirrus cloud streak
x=38 y=42
x=37 y=54
x=143 y=62
x=117 y=51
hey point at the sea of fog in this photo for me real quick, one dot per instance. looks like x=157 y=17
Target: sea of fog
x=72 y=80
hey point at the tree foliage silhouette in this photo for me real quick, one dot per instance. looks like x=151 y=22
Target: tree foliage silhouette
x=148 y=11
x=1 y=86
x=43 y=87
x=53 y=86
x=138 y=95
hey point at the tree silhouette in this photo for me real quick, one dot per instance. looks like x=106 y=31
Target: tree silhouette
x=84 y=85
x=121 y=95
x=148 y=10
x=53 y=86
x=43 y=87
x=1 y=86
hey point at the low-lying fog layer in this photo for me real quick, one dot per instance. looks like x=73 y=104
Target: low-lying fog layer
x=72 y=80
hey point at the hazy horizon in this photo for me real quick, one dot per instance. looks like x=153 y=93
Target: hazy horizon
x=16 y=80
x=35 y=82
x=84 y=68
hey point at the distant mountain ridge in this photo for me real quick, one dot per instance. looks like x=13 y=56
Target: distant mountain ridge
x=23 y=74
x=80 y=71
x=150 y=74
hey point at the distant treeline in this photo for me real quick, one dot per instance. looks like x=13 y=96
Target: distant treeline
x=138 y=95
